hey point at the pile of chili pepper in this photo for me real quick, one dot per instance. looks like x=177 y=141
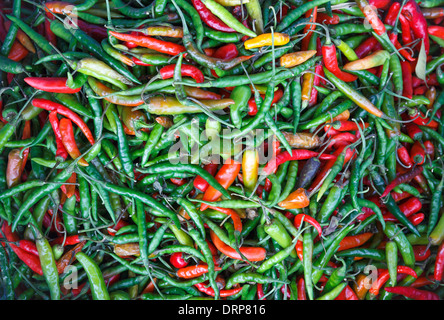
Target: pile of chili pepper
x=221 y=150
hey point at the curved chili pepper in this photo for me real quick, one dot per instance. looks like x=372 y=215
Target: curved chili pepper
x=331 y=62
x=384 y=276
x=167 y=72
x=250 y=253
x=31 y=260
x=209 y=18
x=68 y=140
x=402 y=178
x=298 y=219
x=62 y=110
x=412 y=12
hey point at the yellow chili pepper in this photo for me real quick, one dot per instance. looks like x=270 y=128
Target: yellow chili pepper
x=164 y=31
x=250 y=168
x=290 y=60
x=265 y=39
x=307 y=87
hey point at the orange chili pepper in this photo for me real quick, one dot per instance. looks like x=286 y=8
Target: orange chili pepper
x=225 y=176
x=69 y=141
x=292 y=59
x=354 y=241
x=250 y=253
x=296 y=200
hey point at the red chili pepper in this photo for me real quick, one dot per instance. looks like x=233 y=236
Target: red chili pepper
x=260 y=292
x=301 y=289
x=312 y=15
x=392 y=13
x=62 y=110
x=421 y=252
x=69 y=189
x=384 y=275
x=297 y=154
x=404 y=156
x=411 y=206
x=331 y=63
x=417 y=218
x=341 y=138
x=418 y=23
x=379 y=4
x=326 y=19
x=306 y=218
x=18 y=52
x=400 y=196
x=166 y=47
x=413 y=293
x=368 y=45
x=417 y=153
x=413 y=131
x=177 y=260
x=202 y=287
x=346 y=125
x=228 y=51
x=431 y=80
x=402 y=178
x=50 y=84
x=436 y=31
x=61 y=152
x=252 y=107
x=167 y=72
x=69 y=142
x=421 y=282
x=68 y=240
x=31 y=260
x=120 y=224
x=439 y=263
x=405 y=29
x=319 y=70
x=347 y=294
x=210 y=19
x=200 y=183
x=29 y=246
x=429 y=148
x=406 y=54
x=420 y=119
x=407 y=79
x=194 y=271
